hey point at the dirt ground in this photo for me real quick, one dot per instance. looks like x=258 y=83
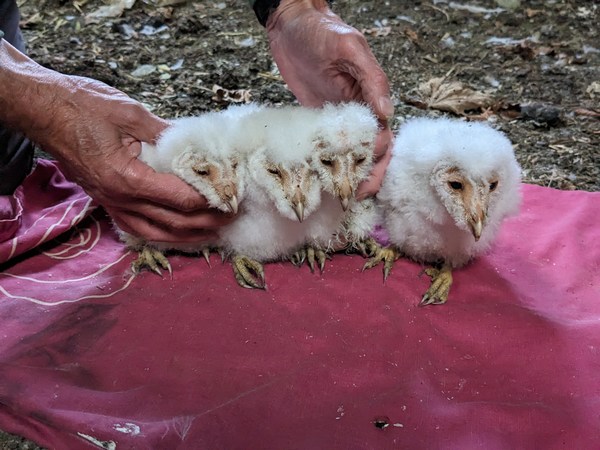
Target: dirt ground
x=533 y=71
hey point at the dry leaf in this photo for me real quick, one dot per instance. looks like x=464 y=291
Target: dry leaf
x=593 y=89
x=485 y=115
x=412 y=35
x=533 y=12
x=114 y=9
x=223 y=95
x=33 y=19
x=452 y=96
x=377 y=31
x=587 y=112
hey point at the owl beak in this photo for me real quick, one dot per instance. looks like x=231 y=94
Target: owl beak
x=298 y=205
x=232 y=204
x=476 y=228
x=345 y=193
x=476 y=224
x=231 y=201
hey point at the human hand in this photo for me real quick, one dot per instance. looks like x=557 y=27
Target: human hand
x=96 y=133
x=322 y=59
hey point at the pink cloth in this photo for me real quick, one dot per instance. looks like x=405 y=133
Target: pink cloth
x=43 y=207
x=511 y=361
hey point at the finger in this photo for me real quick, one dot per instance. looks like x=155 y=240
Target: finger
x=175 y=220
x=372 y=79
x=371 y=186
x=142 y=124
x=165 y=189
x=383 y=143
x=141 y=227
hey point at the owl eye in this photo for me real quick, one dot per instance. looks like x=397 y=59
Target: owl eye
x=326 y=162
x=274 y=171
x=493 y=186
x=234 y=165
x=360 y=160
x=456 y=185
x=202 y=172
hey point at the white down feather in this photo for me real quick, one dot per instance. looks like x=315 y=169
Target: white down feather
x=414 y=214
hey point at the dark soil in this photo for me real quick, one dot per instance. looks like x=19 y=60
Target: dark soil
x=548 y=56
x=538 y=62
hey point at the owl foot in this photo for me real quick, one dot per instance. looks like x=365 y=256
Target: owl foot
x=368 y=248
x=248 y=272
x=298 y=258
x=318 y=255
x=441 y=280
x=151 y=258
x=310 y=255
x=388 y=255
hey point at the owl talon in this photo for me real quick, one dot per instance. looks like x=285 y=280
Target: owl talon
x=368 y=248
x=206 y=254
x=248 y=273
x=298 y=258
x=310 y=257
x=387 y=268
x=387 y=255
x=441 y=281
x=151 y=258
x=321 y=257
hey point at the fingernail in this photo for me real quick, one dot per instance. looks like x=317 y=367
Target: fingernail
x=386 y=107
x=361 y=196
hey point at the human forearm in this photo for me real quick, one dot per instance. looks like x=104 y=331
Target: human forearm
x=96 y=131
x=26 y=97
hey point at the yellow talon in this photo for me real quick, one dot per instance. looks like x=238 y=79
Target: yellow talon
x=248 y=272
x=441 y=281
x=388 y=255
x=151 y=258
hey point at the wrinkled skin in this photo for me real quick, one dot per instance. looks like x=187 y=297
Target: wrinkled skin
x=322 y=59
x=95 y=132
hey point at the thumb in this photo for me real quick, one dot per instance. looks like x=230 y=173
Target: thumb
x=166 y=189
x=374 y=85
x=146 y=127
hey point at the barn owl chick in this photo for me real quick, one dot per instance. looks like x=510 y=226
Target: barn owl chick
x=445 y=193
x=202 y=151
x=343 y=157
x=282 y=193
x=345 y=141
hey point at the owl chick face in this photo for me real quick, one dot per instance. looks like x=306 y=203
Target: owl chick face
x=341 y=166
x=219 y=179
x=292 y=186
x=467 y=199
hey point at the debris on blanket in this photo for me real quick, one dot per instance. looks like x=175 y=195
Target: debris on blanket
x=127 y=428
x=106 y=445
x=381 y=422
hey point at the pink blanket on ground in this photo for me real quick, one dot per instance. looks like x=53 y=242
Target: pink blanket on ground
x=91 y=356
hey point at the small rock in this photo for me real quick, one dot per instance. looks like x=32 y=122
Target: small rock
x=540 y=113
x=509 y=4
x=143 y=70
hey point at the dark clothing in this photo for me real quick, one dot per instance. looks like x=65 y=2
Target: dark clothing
x=16 y=151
